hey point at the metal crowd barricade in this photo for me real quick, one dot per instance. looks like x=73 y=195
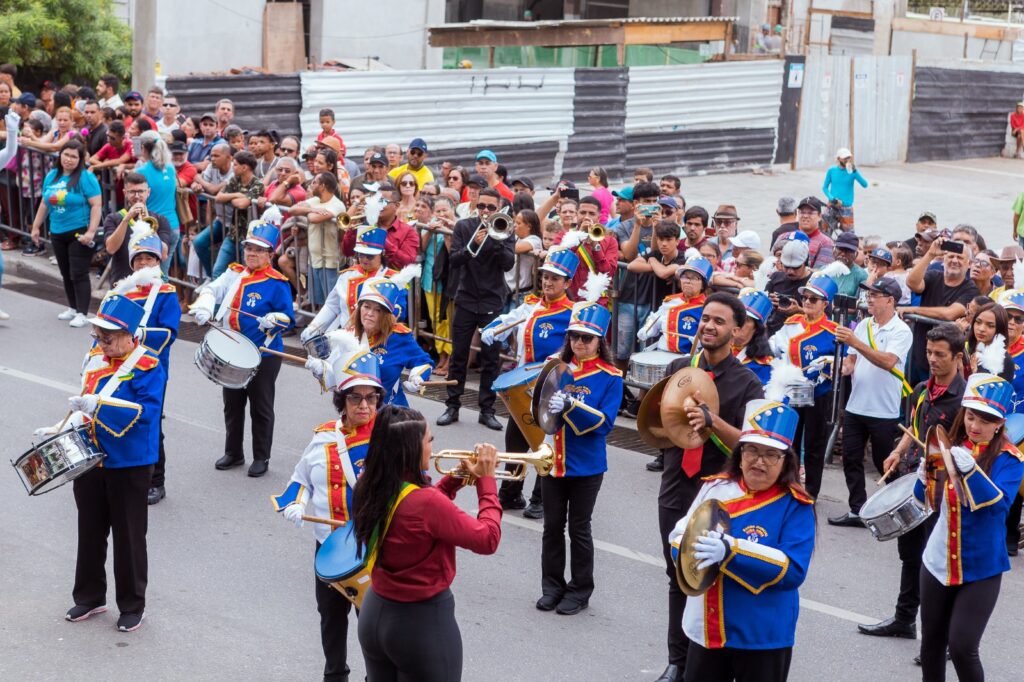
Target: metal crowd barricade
x=22 y=184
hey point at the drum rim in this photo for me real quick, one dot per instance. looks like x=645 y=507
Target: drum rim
x=526 y=379
x=213 y=347
x=897 y=487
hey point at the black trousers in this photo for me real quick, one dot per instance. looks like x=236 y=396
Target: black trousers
x=515 y=441
x=73 y=260
x=161 y=461
x=464 y=325
x=260 y=396
x=410 y=641
x=572 y=499
x=737 y=665
x=1013 y=522
x=858 y=430
x=334 y=610
x=955 y=617
x=812 y=432
x=911 y=548
x=112 y=502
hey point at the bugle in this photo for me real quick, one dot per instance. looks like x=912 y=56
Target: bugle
x=596 y=232
x=542 y=460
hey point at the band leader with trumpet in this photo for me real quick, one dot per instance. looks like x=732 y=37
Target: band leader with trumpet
x=256 y=300
x=586 y=404
x=704 y=411
x=965 y=555
x=159 y=325
x=408 y=531
x=597 y=248
x=121 y=399
x=539 y=325
x=325 y=477
x=743 y=626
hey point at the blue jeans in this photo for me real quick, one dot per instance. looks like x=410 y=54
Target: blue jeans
x=321 y=281
x=172 y=250
x=628 y=327
x=202 y=243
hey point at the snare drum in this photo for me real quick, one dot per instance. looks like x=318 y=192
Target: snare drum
x=650 y=366
x=337 y=565
x=58 y=459
x=894 y=510
x=318 y=346
x=515 y=388
x=801 y=393
x=227 y=358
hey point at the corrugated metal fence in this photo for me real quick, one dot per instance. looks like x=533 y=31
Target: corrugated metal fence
x=271 y=102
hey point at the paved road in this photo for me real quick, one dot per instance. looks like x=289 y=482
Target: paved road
x=231 y=584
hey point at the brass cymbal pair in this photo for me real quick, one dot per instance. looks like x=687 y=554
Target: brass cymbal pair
x=661 y=420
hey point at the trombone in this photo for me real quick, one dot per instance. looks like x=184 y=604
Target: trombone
x=499 y=227
x=542 y=460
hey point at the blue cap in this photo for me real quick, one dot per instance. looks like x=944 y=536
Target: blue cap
x=486 y=154
x=769 y=423
x=26 y=98
x=148 y=243
x=626 y=193
x=562 y=262
x=371 y=242
x=263 y=234
x=359 y=368
x=820 y=285
x=418 y=143
x=882 y=255
x=699 y=264
x=757 y=303
x=118 y=313
x=795 y=235
x=1013 y=299
x=382 y=291
x=590 y=318
x=988 y=393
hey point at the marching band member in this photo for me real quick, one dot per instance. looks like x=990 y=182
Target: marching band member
x=722 y=316
x=1013 y=302
x=964 y=558
x=407 y=626
x=341 y=301
x=159 y=325
x=751 y=340
x=743 y=627
x=808 y=341
x=595 y=257
x=542 y=334
x=262 y=292
x=675 y=322
x=376 y=326
x=587 y=402
x=325 y=477
x=121 y=399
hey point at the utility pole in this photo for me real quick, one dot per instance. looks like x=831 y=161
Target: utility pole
x=144 y=44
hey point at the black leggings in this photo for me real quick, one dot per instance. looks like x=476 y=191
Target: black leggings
x=334 y=610
x=955 y=617
x=73 y=260
x=737 y=665
x=410 y=641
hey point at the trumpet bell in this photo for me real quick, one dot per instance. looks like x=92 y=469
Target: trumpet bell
x=542 y=459
x=597 y=233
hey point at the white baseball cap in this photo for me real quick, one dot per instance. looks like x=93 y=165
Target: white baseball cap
x=843 y=153
x=747 y=239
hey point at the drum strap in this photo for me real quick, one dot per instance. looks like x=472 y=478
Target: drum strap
x=229 y=295
x=122 y=371
x=905 y=387
x=346 y=458
x=376 y=539
x=154 y=291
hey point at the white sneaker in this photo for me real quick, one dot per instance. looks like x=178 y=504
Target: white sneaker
x=79 y=321
x=68 y=314
x=4 y=316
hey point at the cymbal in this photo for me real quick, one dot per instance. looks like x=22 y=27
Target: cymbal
x=680 y=392
x=548 y=382
x=648 y=418
x=709 y=515
x=940 y=466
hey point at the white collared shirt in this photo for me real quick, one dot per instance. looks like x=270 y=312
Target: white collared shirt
x=876 y=392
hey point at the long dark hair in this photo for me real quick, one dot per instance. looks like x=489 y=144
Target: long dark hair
x=759 y=346
x=394 y=457
x=958 y=432
x=1002 y=324
x=603 y=351
x=76 y=146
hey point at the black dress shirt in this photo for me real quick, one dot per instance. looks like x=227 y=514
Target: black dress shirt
x=479 y=281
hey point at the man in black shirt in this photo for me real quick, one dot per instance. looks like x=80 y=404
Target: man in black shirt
x=479 y=297
x=681 y=480
x=935 y=402
x=97 y=128
x=944 y=296
x=783 y=287
x=786 y=210
x=117 y=226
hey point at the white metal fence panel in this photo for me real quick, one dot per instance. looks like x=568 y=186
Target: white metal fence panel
x=704 y=96
x=824 y=111
x=881 y=108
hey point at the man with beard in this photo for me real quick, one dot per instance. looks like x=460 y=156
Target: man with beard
x=723 y=314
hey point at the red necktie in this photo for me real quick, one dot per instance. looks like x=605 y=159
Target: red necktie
x=692 y=456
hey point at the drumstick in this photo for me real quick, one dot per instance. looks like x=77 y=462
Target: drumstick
x=286 y=356
x=255 y=317
x=224 y=332
x=505 y=327
x=326 y=522
x=440 y=382
x=60 y=427
x=910 y=433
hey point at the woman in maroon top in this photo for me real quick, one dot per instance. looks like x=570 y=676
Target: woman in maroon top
x=407 y=626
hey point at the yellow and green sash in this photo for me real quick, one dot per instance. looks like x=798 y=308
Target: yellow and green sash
x=694 y=361
x=377 y=538
x=905 y=388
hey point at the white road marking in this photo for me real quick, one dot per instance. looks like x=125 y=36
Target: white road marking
x=986 y=171
x=641 y=557
x=537 y=527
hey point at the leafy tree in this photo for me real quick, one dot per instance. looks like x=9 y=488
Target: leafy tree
x=69 y=39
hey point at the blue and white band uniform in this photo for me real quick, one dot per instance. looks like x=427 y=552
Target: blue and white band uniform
x=542 y=334
x=158 y=328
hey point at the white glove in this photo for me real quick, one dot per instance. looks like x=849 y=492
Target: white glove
x=44 y=432
x=308 y=333
x=963 y=458
x=268 y=322
x=487 y=336
x=710 y=549
x=87 y=403
x=293 y=512
x=557 y=402
x=922 y=471
x=414 y=383
x=316 y=366
x=201 y=315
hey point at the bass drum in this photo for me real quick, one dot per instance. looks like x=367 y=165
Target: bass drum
x=337 y=565
x=515 y=388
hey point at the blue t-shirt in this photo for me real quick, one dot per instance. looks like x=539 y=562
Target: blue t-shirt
x=839 y=184
x=163 y=188
x=69 y=209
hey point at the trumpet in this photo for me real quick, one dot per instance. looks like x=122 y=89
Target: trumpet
x=345 y=220
x=148 y=219
x=595 y=231
x=542 y=460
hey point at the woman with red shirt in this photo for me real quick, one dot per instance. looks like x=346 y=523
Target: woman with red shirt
x=407 y=626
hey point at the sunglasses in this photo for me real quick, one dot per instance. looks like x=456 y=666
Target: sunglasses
x=1016 y=319
x=288 y=150
x=791 y=268
x=408 y=184
x=486 y=207
x=105 y=339
x=169 y=105
x=811 y=299
x=575 y=337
